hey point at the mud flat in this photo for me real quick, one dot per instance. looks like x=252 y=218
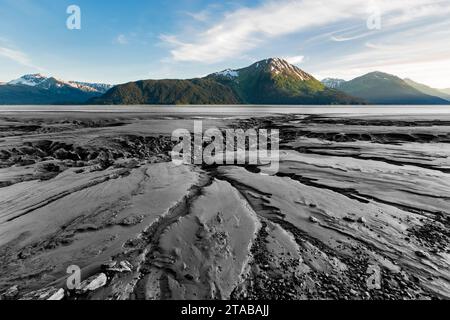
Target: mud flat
x=359 y=209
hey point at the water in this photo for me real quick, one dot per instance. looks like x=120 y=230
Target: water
x=242 y=109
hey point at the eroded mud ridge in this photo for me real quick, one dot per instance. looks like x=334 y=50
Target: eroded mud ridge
x=359 y=209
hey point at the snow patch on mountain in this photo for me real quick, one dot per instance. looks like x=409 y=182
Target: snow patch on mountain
x=92 y=87
x=31 y=80
x=47 y=83
x=281 y=66
x=228 y=73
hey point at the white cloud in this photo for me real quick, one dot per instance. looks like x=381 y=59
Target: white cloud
x=199 y=16
x=248 y=28
x=16 y=56
x=170 y=39
x=121 y=39
x=294 y=59
x=342 y=38
x=416 y=53
x=421 y=10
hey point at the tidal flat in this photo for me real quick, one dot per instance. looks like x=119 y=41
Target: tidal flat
x=359 y=208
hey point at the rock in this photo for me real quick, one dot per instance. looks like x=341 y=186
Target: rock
x=114 y=176
x=349 y=219
x=109 y=265
x=126 y=266
x=10 y=294
x=177 y=252
x=93 y=283
x=58 y=295
x=123 y=266
x=132 y=220
x=51 y=293
x=362 y=220
x=313 y=220
x=421 y=254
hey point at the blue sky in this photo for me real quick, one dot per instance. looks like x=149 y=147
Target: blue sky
x=122 y=41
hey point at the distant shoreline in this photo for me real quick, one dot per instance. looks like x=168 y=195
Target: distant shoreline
x=231 y=109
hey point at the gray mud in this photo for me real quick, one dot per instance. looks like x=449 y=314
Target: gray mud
x=359 y=209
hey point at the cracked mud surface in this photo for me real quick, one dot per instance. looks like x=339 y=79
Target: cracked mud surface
x=352 y=195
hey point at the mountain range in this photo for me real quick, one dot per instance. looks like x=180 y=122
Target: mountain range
x=39 y=89
x=428 y=90
x=269 y=81
x=383 y=88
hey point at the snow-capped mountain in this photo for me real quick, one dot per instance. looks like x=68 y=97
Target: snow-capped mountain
x=276 y=81
x=31 y=80
x=269 y=81
x=40 y=81
x=97 y=87
x=274 y=66
x=40 y=89
x=279 y=66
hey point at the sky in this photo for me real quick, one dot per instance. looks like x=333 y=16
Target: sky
x=121 y=41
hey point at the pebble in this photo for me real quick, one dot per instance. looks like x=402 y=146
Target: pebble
x=109 y=265
x=313 y=220
x=362 y=220
x=93 y=283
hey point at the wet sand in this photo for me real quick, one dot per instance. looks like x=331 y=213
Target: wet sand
x=357 y=197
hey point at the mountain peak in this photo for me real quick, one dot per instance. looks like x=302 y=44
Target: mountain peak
x=274 y=66
x=279 y=66
x=29 y=80
x=379 y=74
x=275 y=62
